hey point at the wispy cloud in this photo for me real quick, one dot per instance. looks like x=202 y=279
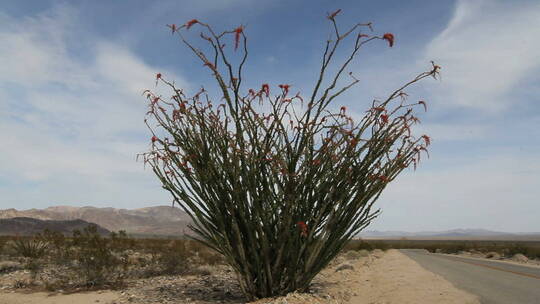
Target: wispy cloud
x=488 y=48
x=68 y=117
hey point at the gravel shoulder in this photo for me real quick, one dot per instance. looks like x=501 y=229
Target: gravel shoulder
x=374 y=278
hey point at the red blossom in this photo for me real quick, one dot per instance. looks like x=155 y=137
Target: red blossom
x=353 y=142
x=237 y=33
x=265 y=89
x=285 y=88
x=191 y=22
x=383 y=178
x=334 y=14
x=384 y=118
x=390 y=38
x=154 y=139
x=158 y=76
x=427 y=139
x=343 y=109
x=302 y=226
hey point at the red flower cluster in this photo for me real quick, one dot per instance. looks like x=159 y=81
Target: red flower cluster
x=191 y=23
x=158 y=75
x=384 y=118
x=303 y=228
x=390 y=38
x=265 y=89
x=285 y=88
x=237 y=33
x=334 y=14
x=154 y=139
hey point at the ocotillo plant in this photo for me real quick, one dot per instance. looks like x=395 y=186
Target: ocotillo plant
x=277 y=182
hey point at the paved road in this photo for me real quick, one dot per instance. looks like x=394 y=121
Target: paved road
x=493 y=282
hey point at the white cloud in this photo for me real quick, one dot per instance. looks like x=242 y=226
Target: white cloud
x=497 y=192
x=73 y=122
x=486 y=50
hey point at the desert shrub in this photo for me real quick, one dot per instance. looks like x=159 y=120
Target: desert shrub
x=94 y=259
x=121 y=242
x=2 y=244
x=59 y=247
x=34 y=266
x=173 y=258
x=167 y=258
x=210 y=257
x=30 y=247
x=278 y=184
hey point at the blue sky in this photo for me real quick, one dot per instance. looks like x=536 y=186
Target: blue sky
x=72 y=73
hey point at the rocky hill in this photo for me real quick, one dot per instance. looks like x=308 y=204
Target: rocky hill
x=30 y=226
x=159 y=220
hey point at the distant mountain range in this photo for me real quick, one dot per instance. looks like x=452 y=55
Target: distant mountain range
x=448 y=234
x=159 y=220
x=30 y=226
x=172 y=221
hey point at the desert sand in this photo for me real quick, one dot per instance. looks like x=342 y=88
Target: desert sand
x=379 y=278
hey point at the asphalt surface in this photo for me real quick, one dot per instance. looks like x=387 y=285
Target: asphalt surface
x=493 y=282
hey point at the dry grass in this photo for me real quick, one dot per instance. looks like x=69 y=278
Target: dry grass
x=88 y=260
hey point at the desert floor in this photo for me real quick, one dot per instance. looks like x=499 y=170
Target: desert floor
x=380 y=277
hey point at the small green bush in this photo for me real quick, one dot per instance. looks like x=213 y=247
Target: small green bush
x=34 y=248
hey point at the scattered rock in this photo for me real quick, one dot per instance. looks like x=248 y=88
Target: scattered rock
x=9 y=266
x=345 y=267
x=518 y=257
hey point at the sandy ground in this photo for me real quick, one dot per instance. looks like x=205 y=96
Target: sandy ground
x=395 y=278
x=380 y=278
x=104 y=297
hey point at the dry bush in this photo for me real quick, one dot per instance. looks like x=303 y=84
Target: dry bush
x=95 y=261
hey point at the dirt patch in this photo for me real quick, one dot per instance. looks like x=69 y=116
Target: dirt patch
x=101 y=297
